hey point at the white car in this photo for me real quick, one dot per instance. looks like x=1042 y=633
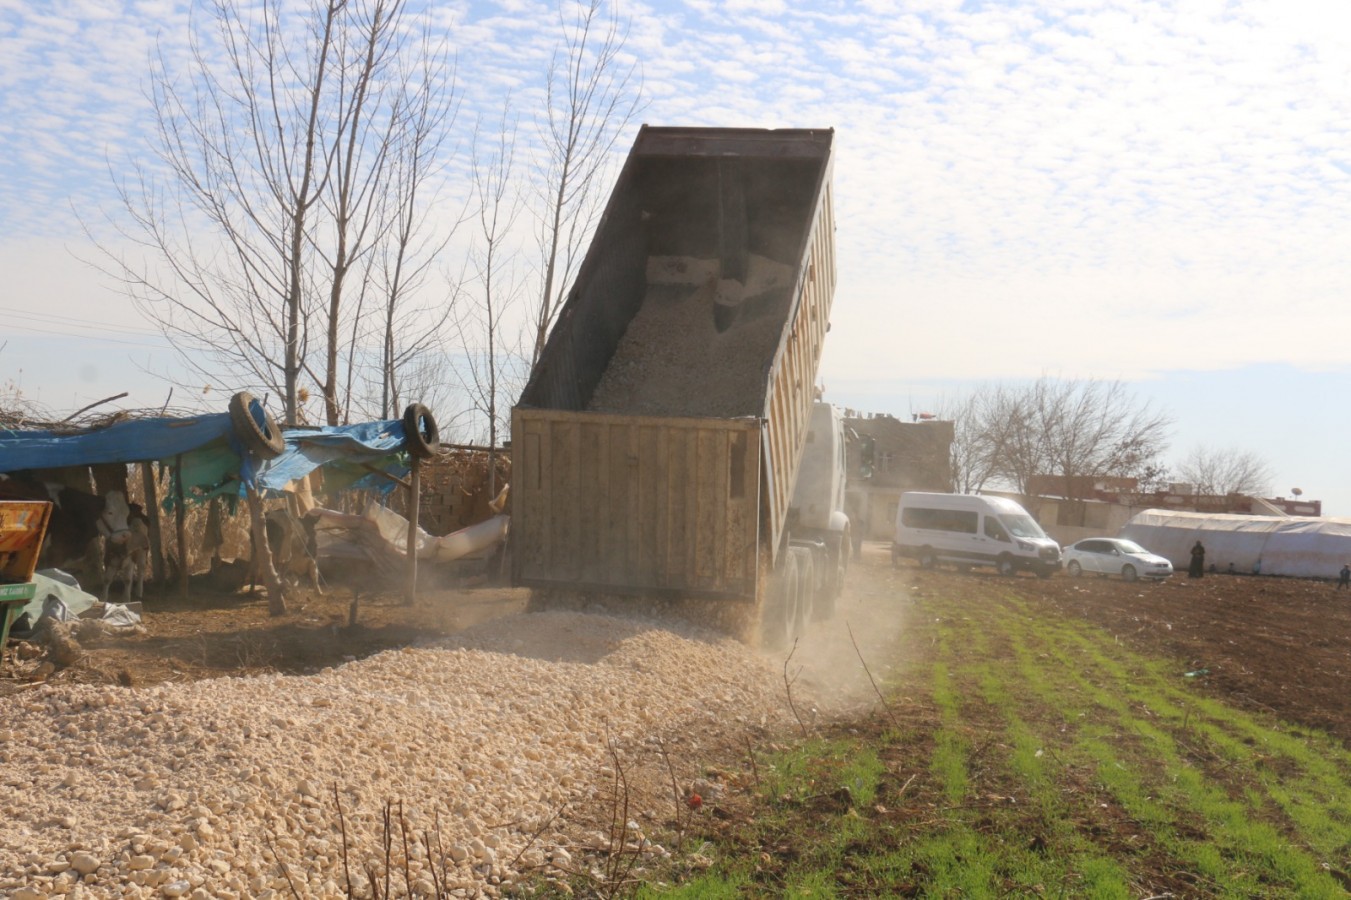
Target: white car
x=1115 y=556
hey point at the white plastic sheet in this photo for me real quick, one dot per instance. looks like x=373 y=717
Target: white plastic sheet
x=1297 y=546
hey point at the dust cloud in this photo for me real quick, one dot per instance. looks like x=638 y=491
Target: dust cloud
x=831 y=677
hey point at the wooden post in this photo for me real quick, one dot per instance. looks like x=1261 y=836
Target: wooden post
x=414 y=501
x=262 y=556
x=181 y=527
x=156 y=537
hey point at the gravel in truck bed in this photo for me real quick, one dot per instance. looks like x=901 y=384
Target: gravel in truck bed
x=496 y=736
x=673 y=361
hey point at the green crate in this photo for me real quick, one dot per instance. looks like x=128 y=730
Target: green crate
x=13 y=593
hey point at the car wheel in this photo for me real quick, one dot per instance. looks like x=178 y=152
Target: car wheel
x=1005 y=566
x=1128 y=572
x=927 y=560
x=1073 y=569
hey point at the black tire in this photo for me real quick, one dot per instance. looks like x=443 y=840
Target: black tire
x=1044 y=571
x=779 y=609
x=1005 y=566
x=806 y=592
x=895 y=557
x=1073 y=569
x=1128 y=572
x=927 y=559
x=257 y=430
x=420 y=431
x=832 y=587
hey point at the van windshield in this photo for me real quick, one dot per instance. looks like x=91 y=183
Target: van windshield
x=1023 y=526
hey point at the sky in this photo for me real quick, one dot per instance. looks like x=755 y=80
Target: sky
x=1152 y=192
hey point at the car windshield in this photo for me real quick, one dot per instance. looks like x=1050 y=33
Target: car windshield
x=1023 y=526
x=1130 y=547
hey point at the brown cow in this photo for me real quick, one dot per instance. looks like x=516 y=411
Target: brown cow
x=79 y=521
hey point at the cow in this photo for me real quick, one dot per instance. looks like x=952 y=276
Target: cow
x=293 y=546
x=126 y=548
x=79 y=520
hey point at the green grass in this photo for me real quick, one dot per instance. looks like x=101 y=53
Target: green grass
x=1039 y=756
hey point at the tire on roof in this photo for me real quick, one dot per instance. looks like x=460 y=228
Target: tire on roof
x=420 y=431
x=257 y=430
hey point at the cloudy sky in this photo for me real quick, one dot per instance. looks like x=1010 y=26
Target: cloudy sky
x=1157 y=192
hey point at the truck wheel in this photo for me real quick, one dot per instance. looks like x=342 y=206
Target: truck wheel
x=805 y=610
x=1005 y=565
x=420 y=431
x=927 y=559
x=255 y=428
x=779 y=610
x=834 y=585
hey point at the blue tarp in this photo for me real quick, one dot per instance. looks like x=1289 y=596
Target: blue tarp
x=309 y=448
x=212 y=452
x=136 y=440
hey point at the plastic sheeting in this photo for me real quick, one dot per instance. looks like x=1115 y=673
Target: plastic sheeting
x=382 y=535
x=336 y=448
x=1296 y=546
x=211 y=457
x=136 y=440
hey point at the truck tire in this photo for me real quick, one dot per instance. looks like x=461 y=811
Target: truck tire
x=1005 y=566
x=778 y=614
x=807 y=588
x=256 y=430
x=927 y=558
x=420 y=431
x=833 y=586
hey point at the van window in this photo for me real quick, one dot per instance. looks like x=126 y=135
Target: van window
x=1023 y=526
x=960 y=521
x=994 y=530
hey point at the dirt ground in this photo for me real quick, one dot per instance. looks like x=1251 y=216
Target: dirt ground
x=1281 y=645
x=216 y=633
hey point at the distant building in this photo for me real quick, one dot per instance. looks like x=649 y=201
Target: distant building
x=1105 y=505
x=886 y=457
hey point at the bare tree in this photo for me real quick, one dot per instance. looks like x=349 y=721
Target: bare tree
x=1227 y=471
x=593 y=93
x=1071 y=429
x=492 y=351
x=294 y=146
x=973 y=456
x=1094 y=429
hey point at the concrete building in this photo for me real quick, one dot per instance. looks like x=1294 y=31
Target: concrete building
x=886 y=457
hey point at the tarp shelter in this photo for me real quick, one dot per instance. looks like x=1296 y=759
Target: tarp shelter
x=211 y=455
x=135 y=440
x=1297 y=546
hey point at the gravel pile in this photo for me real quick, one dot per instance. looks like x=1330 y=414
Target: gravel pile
x=187 y=790
x=673 y=361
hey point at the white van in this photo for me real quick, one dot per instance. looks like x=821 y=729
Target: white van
x=972 y=530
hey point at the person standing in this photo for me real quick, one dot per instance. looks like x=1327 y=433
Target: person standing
x=1198 y=564
x=1344 y=576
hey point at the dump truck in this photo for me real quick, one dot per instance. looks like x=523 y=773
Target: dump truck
x=657 y=446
